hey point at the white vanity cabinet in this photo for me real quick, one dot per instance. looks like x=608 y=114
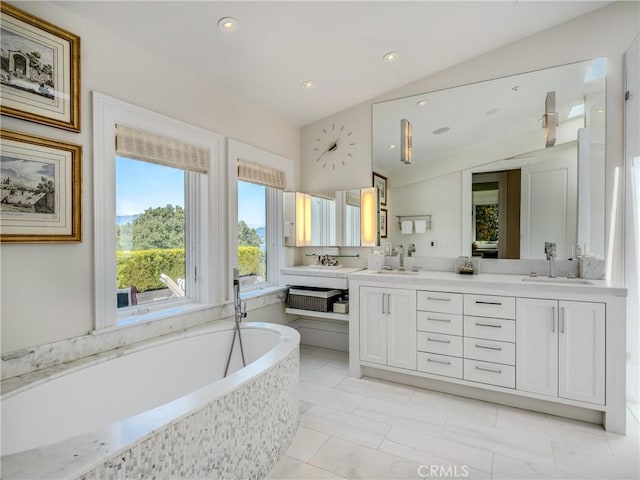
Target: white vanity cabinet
x=561 y=349
x=388 y=326
x=554 y=346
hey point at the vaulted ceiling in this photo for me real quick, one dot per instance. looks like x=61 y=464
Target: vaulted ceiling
x=338 y=45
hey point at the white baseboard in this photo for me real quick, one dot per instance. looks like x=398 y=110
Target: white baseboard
x=318 y=333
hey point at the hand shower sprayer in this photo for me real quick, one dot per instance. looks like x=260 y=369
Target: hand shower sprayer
x=239 y=315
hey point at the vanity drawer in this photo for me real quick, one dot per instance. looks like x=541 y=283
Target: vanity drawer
x=440 y=323
x=490 y=373
x=490 y=306
x=438 y=343
x=490 y=328
x=490 y=351
x=443 y=302
x=440 y=365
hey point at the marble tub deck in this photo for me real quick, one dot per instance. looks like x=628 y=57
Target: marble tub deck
x=370 y=429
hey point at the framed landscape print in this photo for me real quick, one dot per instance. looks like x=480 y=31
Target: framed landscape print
x=383 y=222
x=40 y=189
x=380 y=182
x=40 y=70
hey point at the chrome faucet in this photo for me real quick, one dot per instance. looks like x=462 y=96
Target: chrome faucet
x=550 y=251
x=401 y=255
x=411 y=249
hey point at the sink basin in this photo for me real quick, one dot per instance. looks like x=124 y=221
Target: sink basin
x=562 y=281
x=398 y=272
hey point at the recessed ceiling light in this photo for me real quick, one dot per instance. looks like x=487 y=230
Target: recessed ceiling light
x=515 y=88
x=492 y=111
x=441 y=130
x=390 y=57
x=421 y=103
x=227 y=24
x=392 y=146
x=308 y=84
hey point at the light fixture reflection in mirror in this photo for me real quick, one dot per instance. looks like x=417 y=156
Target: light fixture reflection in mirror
x=550 y=119
x=300 y=218
x=496 y=127
x=406 y=140
x=368 y=217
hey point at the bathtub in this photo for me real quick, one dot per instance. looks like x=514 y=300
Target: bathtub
x=159 y=410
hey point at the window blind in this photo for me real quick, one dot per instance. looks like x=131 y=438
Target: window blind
x=353 y=198
x=170 y=152
x=261 y=174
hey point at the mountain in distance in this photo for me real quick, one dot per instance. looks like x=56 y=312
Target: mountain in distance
x=260 y=231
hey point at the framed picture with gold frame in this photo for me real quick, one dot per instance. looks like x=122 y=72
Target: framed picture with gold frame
x=39 y=70
x=40 y=189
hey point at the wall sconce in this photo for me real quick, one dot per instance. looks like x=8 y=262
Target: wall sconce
x=300 y=218
x=406 y=138
x=550 y=119
x=368 y=217
x=307 y=219
x=303 y=219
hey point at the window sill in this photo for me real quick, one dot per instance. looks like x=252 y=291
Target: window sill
x=154 y=315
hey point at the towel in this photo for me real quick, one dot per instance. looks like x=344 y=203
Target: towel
x=407 y=226
x=421 y=226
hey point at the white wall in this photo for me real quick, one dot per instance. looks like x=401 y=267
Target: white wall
x=47 y=290
x=606 y=32
x=426 y=198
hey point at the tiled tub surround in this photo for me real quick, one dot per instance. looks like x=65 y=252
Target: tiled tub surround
x=41 y=357
x=552 y=345
x=234 y=427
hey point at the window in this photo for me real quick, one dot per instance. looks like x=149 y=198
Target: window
x=150 y=170
x=252 y=233
x=257 y=179
x=151 y=253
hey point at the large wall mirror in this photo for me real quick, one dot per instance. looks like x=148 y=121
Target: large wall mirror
x=322 y=219
x=498 y=183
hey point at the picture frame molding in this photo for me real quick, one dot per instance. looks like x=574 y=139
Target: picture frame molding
x=75 y=172
x=382 y=192
x=384 y=223
x=73 y=73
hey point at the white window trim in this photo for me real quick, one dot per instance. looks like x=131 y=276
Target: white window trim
x=211 y=245
x=275 y=250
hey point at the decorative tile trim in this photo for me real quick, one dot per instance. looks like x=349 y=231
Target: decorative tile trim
x=239 y=436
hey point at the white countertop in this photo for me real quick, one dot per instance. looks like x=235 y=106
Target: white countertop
x=513 y=283
x=319 y=271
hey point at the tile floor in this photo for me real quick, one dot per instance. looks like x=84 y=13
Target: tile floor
x=371 y=429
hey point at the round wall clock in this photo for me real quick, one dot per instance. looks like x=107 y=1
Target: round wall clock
x=334 y=147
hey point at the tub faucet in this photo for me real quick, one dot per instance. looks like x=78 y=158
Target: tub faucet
x=550 y=251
